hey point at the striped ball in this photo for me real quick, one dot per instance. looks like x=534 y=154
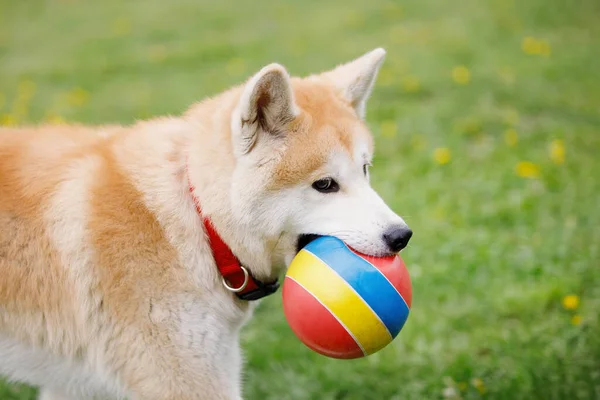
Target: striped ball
x=343 y=304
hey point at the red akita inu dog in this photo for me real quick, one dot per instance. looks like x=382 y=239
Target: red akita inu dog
x=114 y=284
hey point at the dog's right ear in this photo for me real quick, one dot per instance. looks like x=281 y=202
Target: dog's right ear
x=266 y=106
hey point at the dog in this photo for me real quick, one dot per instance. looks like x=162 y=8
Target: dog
x=131 y=256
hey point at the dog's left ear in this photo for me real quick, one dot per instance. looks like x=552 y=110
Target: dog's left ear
x=355 y=79
x=266 y=106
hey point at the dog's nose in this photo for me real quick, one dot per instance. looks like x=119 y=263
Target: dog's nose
x=397 y=237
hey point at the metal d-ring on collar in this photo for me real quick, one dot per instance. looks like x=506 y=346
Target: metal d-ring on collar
x=242 y=287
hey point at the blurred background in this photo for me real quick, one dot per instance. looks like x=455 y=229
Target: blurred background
x=486 y=116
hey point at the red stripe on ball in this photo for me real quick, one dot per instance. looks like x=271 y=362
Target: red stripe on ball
x=314 y=324
x=394 y=269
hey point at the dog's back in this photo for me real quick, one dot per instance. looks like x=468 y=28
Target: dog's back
x=78 y=245
x=35 y=288
x=45 y=175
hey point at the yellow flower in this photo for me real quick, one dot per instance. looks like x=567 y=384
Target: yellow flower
x=388 y=128
x=533 y=46
x=557 y=152
x=7 y=120
x=576 y=320
x=235 y=66
x=461 y=75
x=529 y=45
x=411 y=84
x=510 y=137
x=77 y=97
x=570 y=302
x=527 y=169
x=441 y=155
x=479 y=385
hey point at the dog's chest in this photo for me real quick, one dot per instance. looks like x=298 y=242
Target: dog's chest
x=40 y=368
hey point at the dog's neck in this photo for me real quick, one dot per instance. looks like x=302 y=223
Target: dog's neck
x=211 y=164
x=155 y=152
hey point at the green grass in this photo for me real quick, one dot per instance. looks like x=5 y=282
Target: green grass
x=493 y=253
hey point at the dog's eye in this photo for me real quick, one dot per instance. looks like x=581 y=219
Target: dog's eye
x=326 y=185
x=366 y=169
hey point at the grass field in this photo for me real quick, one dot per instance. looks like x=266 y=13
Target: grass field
x=487 y=124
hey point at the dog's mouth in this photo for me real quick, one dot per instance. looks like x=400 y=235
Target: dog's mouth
x=305 y=239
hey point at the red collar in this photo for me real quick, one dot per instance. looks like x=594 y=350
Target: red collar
x=236 y=278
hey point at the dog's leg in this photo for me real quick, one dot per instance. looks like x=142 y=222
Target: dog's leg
x=47 y=394
x=210 y=372
x=236 y=367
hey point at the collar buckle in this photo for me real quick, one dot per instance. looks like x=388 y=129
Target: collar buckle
x=262 y=290
x=242 y=286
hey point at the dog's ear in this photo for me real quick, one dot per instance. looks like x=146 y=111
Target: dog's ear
x=355 y=79
x=266 y=105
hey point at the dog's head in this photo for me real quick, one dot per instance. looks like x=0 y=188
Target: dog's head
x=303 y=154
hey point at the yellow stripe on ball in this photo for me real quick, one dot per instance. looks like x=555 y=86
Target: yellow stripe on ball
x=341 y=300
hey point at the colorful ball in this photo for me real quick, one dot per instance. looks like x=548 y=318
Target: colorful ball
x=343 y=304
